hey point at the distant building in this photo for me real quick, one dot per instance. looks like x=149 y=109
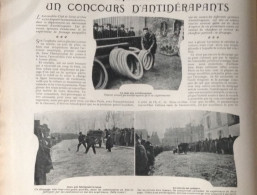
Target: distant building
x=154 y=139
x=188 y=134
x=218 y=124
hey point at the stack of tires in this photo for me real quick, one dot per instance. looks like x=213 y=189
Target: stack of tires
x=126 y=63
x=129 y=63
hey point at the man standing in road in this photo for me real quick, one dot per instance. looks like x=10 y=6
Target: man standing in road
x=148 y=42
x=109 y=143
x=141 y=158
x=82 y=140
x=90 y=143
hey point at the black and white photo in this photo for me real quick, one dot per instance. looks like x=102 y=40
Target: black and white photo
x=197 y=144
x=83 y=143
x=137 y=50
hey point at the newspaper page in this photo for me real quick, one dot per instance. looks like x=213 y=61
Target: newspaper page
x=127 y=97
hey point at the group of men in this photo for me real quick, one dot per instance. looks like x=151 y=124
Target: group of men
x=87 y=142
x=121 y=137
x=144 y=156
x=90 y=141
x=148 y=40
x=109 y=31
x=222 y=145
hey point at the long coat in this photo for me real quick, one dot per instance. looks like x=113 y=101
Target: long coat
x=109 y=142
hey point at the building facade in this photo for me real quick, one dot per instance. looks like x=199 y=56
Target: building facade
x=218 y=125
x=188 y=134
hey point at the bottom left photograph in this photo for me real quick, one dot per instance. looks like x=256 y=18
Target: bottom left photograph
x=83 y=143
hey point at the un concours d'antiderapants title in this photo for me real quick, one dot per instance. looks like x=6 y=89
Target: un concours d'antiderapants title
x=141 y=8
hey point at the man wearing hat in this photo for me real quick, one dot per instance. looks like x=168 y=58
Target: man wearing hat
x=100 y=32
x=131 y=32
x=114 y=31
x=95 y=30
x=108 y=32
x=126 y=32
x=82 y=140
x=104 y=30
x=109 y=143
x=148 y=42
x=121 y=31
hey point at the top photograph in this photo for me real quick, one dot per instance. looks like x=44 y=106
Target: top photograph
x=137 y=50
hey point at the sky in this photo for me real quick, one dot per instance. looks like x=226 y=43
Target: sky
x=160 y=120
x=74 y=122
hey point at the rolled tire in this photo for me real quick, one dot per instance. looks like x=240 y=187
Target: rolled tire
x=99 y=75
x=126 y=63
x=135 y=70
x=146 y=59
x=134 y=50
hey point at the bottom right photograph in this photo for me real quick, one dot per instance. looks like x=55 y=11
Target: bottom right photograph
x=197 y=144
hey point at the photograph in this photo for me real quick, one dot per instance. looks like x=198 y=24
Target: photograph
x=137 y=50
x=197 y=144
x=86 y=143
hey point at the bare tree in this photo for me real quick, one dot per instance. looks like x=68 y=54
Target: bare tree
x=112 y=116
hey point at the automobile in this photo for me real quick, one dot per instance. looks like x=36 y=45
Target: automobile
x=98 y=135
x=182 y=148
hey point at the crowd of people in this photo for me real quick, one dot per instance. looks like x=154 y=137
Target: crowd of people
x=43 y=163
x=110 y=31
x=221 y=146
x=115 y=136
x=145 y=152
x=121 y=137
x=144 y=156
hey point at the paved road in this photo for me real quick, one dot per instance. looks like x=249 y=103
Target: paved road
x=217 y=168
x=69 y=163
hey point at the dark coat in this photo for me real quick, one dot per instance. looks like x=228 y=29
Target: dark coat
x=121 y=33
x=90 y=140
x=107 y=33
x=99 y=35
x=81 y=138
x=114 y=33
x=149 y=39
x=95 y=34
x=131 y=33
x=141 y=160
x=109 y=142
